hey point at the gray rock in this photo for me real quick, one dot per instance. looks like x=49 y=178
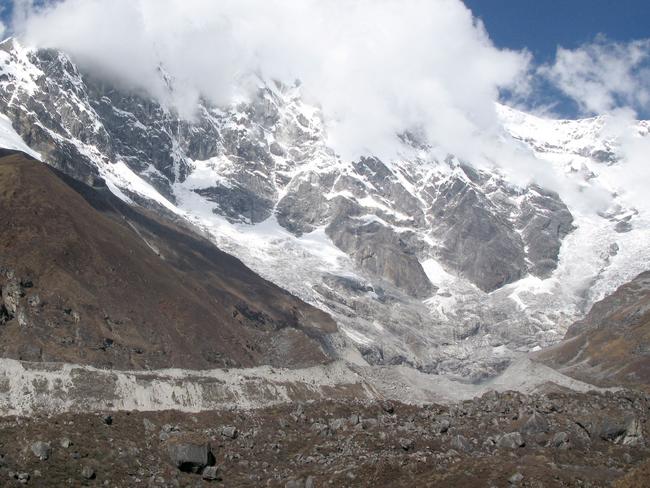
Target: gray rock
x=303 y=207
x=41 y=450
x=388 y=407
x=460 y=443
x=382 y=252
x=11 y=294
x=407 y=444
x=276 y=149
x=443 y=425
x=65 y=443
x=633 y=433
x=88 y=473
x=190 y=457
x=337 y=425
x=210 y=473
x=21 y=317
x=229 y=431
x=623 y=227
x=536 y=424
x=239 y=204
x=560 y=440
x=477 y=242
x=299 y=483
x=149 y=426
x=512 y=440
x=168 y=431
x=544 y=221
x=516 y=478
x=22 y=478
x=34 y=301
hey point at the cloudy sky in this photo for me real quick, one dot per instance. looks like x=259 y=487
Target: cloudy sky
x=464 y=53
x=375 y=67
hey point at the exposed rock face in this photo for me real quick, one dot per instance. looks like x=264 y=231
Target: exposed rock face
x=480 y=244
x=88 y=279
x=491 y=239
x=611 y=345
x=429 y=245
x=267 y=177
x=543 y=221
x=380 y=251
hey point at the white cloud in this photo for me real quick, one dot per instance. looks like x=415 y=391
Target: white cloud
x=602 y=76
x=377 y=67
x=613 y=79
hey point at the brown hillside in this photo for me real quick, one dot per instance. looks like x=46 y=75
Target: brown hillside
x=611 y=345
x=88 y=279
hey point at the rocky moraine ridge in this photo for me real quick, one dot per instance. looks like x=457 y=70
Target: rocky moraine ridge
x=552 y=439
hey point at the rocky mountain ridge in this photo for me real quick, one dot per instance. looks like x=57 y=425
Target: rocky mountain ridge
x=423 y=260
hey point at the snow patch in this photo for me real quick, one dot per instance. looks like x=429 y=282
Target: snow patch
x=9 y=138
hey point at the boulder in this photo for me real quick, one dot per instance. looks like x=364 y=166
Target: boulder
x=536 y=424
x=513 y=440
x=515 y=479
x=406 y=444
x=88 y=473
x=443 y=425
x=229 y=431
x=190 y=457
x=41 y=450
x=210 y=473
x=460 y=443
x=560 y=440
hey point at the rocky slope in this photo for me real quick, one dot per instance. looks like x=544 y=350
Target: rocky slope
x=421 y=260
x=552 y=440
x=611 y=345
x=87 y=279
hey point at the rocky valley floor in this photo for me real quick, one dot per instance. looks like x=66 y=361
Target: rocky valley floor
x=500 y=439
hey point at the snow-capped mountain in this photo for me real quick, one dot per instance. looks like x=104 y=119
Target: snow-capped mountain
x=422 y=260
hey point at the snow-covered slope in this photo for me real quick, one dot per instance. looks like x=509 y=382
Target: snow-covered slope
x=422 y=260
x=9 y=139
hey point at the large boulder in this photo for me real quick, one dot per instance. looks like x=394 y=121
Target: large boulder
x=190 y=457
x=513 y=440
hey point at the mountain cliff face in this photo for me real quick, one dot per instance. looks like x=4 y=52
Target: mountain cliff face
x=87 y=279
x=422 y=260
